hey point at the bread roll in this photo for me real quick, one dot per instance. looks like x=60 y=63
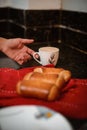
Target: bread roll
x=66 y=74
x=63 y=75
x=50 y=78
x=40 y=90
x=56 y=79
x=27 y=76
x=48 y=70
x=43 y=83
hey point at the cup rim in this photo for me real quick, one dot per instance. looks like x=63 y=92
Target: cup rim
x=55 y=49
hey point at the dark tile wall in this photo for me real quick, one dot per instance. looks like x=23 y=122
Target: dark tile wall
x=37 y=24
x=3 y=13
x=75 y=39
x=74 y=29
x=77 y=20
x=3 y=21
x=68 y=27
x=40 y=25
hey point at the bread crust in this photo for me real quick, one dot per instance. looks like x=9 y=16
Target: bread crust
x=43 y=83
x=40 y=90
x=48 y=70
x=36 y=76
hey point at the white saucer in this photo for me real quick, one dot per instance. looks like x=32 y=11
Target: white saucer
x=32 y=117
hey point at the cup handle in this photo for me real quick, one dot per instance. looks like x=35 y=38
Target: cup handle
x=37 y=53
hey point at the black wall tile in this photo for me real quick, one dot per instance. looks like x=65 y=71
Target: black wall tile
x=38 y=34
x=75 y=39
x=17 y=16
x=41 y=34
x=77 y=20
x=3 y=13
x=3 y=28
x=45 y=25
x=40 y=24
x=42 y=17
x=37 y=24
x=16 y=31
x=74 y=29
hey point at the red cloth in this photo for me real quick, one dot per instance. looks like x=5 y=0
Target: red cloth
x=72 y=103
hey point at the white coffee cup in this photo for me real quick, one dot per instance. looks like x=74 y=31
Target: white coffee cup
x=48 y=55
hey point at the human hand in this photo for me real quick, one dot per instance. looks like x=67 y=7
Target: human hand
x=17 y=50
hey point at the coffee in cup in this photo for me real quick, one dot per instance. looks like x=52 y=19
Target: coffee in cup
x=48 y=55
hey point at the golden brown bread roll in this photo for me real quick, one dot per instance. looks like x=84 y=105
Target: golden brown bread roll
x=41 y=90
x=48 y=70
x=56 y=79
x=66 y=74
x=60 y=71
x=41 y=77
x=44 y=83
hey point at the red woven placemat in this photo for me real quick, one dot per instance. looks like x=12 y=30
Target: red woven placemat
x=72 y=103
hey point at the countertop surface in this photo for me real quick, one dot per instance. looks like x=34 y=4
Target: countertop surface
x=69 y=58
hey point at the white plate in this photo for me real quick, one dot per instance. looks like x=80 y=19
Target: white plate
x=32 y=117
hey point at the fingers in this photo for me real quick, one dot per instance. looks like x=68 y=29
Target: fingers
x=23 y=47
x=20 y=62
x=31 y=52
x=22 y=42
x=22 y=58
x=23 y=54
x=26 y=41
